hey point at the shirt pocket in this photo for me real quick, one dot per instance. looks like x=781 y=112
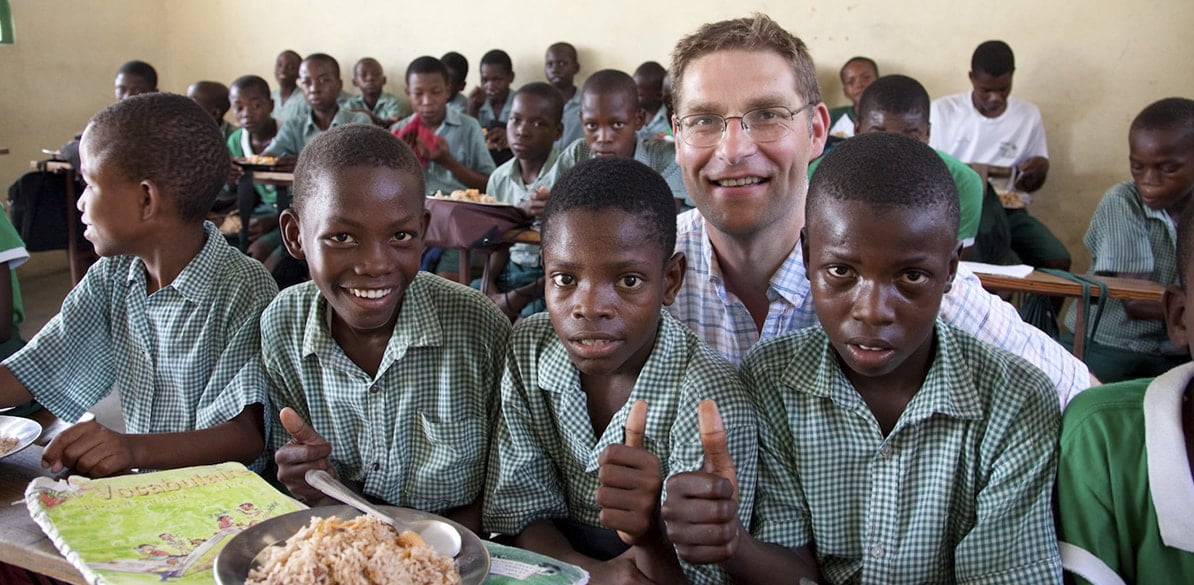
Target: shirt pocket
x=447 y=460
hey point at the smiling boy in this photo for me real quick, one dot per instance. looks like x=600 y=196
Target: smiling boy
x=857 y=74
x=288 y=99
x=561 y=481
x=386 y=376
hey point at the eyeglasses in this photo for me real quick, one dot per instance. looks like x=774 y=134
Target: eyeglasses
x=762 y=125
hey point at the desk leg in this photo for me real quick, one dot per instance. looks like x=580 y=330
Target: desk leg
x=246 y=198
x=466 y=266
x=1080 y=329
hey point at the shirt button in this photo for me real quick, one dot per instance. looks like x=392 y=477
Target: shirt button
x=877 y=551
x=376 y=465
x=375 y=389
x=885 y=451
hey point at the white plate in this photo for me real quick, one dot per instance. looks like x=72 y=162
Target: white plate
x=26 y=431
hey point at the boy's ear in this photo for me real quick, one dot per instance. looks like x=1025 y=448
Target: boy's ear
x=954 y=257
x=152 y=200
x=673 y=277
x=1174 y=304
x=288 y=224
x=640 y=119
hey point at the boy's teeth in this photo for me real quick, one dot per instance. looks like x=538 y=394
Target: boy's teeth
x=869 y=348
x=370 y=293
x=739 y=182
x=593 y=342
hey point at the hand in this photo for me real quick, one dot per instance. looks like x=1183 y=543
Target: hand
x=260 y=250
x=619 y=570
x=306 y=450
x=630 y=483
x=259 y=226
x=476 y=99
x=285 y=164
x=506 y=305
x=1032 y=173
x=495 y=139
x=701 y=511
x=439 y=154
x=538 y=201
x=91 y=449
x=235 y=174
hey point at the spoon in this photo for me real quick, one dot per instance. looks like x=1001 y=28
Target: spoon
x=439 y=535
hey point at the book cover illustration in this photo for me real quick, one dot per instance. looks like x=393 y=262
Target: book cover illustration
x=165 y=526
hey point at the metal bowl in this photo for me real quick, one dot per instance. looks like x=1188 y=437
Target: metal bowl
x=26 y=431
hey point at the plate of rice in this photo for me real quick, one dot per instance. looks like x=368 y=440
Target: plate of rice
x=16 y=433
x=338 y=545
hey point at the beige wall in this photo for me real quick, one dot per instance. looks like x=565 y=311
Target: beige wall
x=1090 y=66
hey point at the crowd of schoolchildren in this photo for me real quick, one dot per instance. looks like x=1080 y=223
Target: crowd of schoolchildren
x=727 y=365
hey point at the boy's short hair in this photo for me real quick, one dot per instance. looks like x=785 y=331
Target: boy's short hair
x=351 y=145
x=610 y=81
x=859 y=59
x=651 y=70
x=252 y=84
x=170 y=140
x=457 y=62
x=616 y=183
x=326 y=58
x=211 y=92
x=571 y=50
x=140 y=69
x=1173 y=113
x=1185 y=244
x=291 y=53
x=498 y=57
x=886 y=170
x=755 y=33
x=427 y=64
x=894 y=94
x=994 y=58
x=555 y=101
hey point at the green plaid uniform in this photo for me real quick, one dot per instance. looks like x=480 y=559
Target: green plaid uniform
x=660 y=156
x=959 y=492
x=171 y=355
x=506 y=185
x=544 y=462
x=417 y=434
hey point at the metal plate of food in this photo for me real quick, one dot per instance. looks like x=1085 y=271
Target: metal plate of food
x=16 y=433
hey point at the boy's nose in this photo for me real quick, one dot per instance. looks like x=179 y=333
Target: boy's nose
x=591 y=302
x=871 y=304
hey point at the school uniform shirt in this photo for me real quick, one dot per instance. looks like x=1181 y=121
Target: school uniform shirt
x=544 y=461
x=1008 y=140
x=296 y=132
x=841 y=121
x=240 y=146
x=1124 y=490
x=417 y=433
x=660 y=156
x=1126 y=236
x=459 y=103
x=12 y=251
x=227 y=128
x=292 y=107
x=573 y=128
x=960 y=490
x=467 y=144
x=389 y=106
x=720 y=318
x=487 y=114
x=171 y=354
x=658 y=124
x=506 y=185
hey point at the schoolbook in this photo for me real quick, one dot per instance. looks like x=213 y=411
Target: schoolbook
x=509 y=565
x=165 y=526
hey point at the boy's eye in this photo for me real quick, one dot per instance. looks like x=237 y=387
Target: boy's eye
x=915 y=277
x=618 y=125
x=404 y=236
x=341 y=238
x=630 y=281
x=838 y=271
x=563 y=279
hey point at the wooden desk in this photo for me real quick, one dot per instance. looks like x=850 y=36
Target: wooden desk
x=246 y=196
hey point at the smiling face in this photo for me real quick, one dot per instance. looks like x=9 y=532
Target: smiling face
x=251 y=109
x=361 y=233
x=610 y=120
x=1163 y=168
x=112 y=204
x=877 y=282
x=321 y=84
x=531 y=130
x=990 y=92
x=428 y=94
x=856 y=77
x=607 y=281
x=740 y=186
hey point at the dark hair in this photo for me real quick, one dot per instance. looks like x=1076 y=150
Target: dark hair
x=611 y=81
x=859 y=59
x=140 y=69
x=622 y=184
x=652 y=71
x=886 y=170
x=252 y=84
x=326 y=58
x=555 y=101
x=427 y=64
x=210 y=93
x=1173 y=113
x=894 y=94
x=351 y=145
x=457 y=62
x=994 y=58
x=1185 y=244
x=567 y=47
x=167 y=139
x=291 y=53
x=498 y=57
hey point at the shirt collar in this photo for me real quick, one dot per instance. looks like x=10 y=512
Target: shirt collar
x=1169 y=478
x=195 y=280
x=515 y=170
x=790 y=281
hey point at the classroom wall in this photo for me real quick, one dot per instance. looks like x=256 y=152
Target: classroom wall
x=1089 y=66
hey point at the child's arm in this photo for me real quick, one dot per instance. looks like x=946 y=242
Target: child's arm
x=12 y=391
x=97 y=451
x=441 y=155
x=1033 y=173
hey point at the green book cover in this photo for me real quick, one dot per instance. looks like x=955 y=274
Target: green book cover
x=509 y=565
x=165 y=526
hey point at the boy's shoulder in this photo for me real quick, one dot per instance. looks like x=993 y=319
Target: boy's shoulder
x=999 y=379
x=774 y=357
x=458 y=308
x=1109 y=401
x=220 y=271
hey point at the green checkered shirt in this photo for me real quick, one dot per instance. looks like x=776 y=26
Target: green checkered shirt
x=959 y=492
x=388 y=106
x=417 y=434
x=544 y=463
x=171 y=355
x=660 y=156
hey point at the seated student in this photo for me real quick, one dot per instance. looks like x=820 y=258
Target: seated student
x=288 y=99
x=856 y=75
x=383 y=107
x=167 y=316
x=490 y=103
x=213 y=97
x=319 y=77
x=252 y=106
x=893 y=446
x=648 y=79
x=560 y=66
x=135 y=78
x=534 y=125
x=457 y=66
x=386 y=377
x=1133 y=235
x=610 y=114
x=606 y=366
x=897 y=103
x=1124 y=483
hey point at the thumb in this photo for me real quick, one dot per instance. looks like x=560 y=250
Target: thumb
x=713 y=439
x=299 y=431
x=636 y=424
